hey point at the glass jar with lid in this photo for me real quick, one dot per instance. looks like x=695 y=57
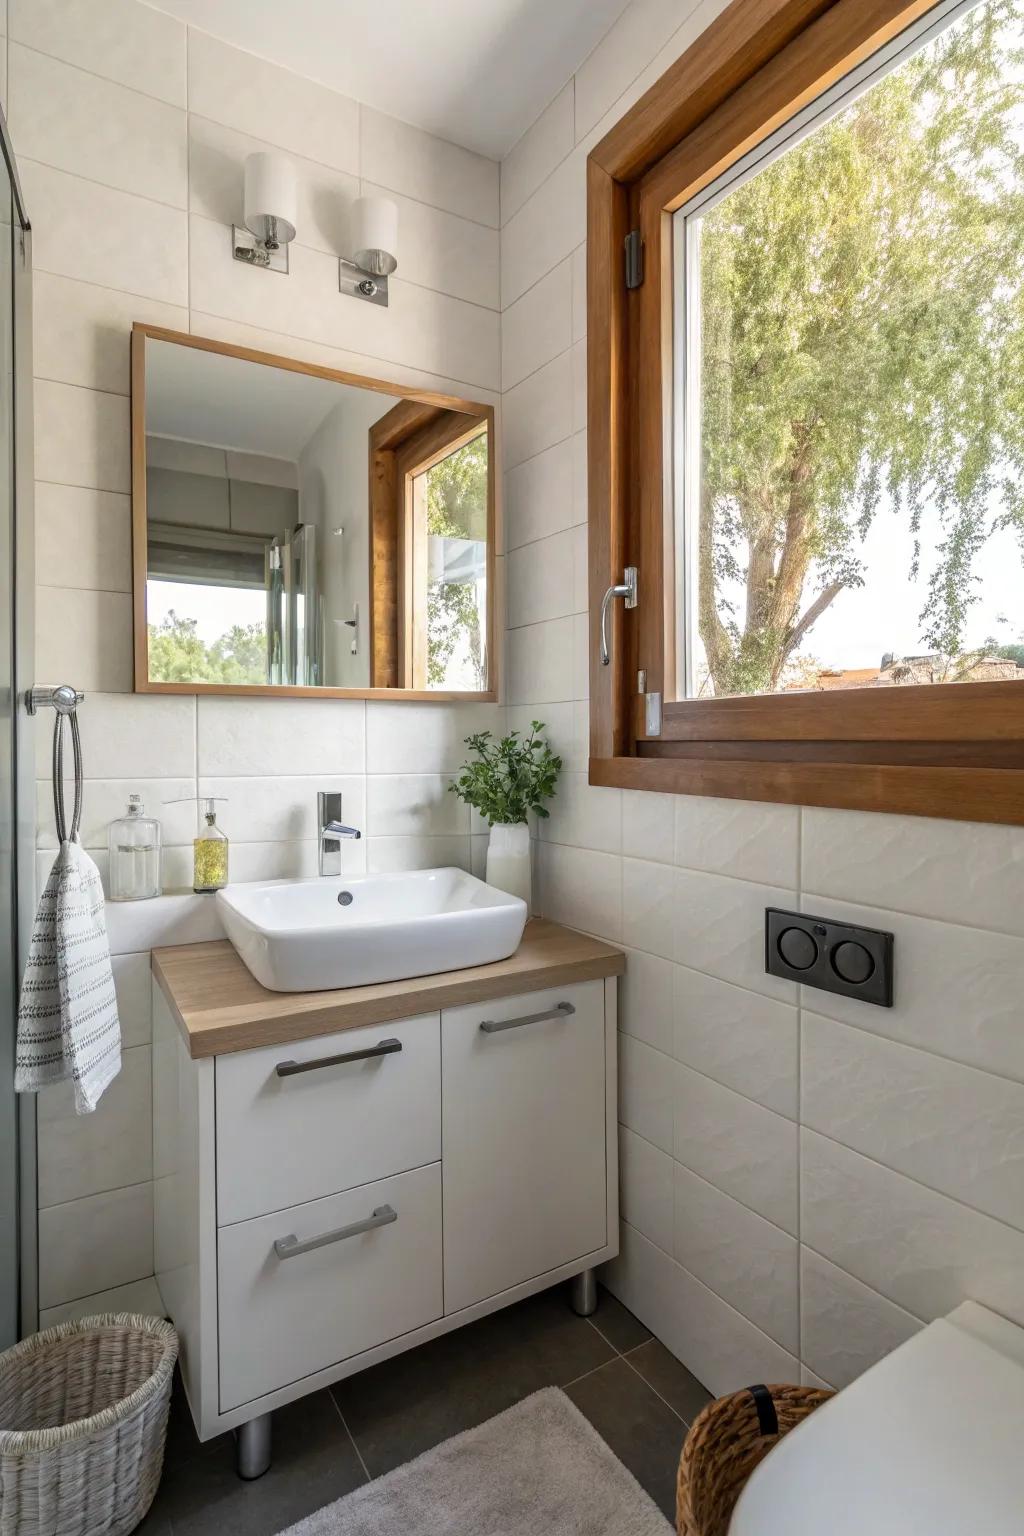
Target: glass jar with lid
x=134 y=844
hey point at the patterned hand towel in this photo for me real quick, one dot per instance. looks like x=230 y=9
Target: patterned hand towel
x=67 y=1016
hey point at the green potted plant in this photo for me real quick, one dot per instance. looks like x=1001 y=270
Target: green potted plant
x=507 y=780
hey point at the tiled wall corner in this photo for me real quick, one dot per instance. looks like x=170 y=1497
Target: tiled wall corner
x=805 y=1179
x=133 y=128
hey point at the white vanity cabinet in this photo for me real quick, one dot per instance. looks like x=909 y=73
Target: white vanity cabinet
x=326 y=1202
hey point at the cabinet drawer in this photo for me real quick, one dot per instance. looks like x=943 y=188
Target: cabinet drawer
x=524 y=1151
x=282 y=1318
x=285 y=1139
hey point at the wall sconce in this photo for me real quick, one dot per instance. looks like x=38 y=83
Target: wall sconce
x=270 y=204
x=374 y=242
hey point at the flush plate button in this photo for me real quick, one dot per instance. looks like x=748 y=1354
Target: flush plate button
x=835 y=957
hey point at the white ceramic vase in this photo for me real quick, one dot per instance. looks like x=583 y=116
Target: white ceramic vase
x=508 y=859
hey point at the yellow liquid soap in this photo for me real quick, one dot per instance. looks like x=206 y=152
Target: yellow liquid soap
x=211 y=863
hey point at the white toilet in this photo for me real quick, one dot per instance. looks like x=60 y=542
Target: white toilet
x=929 y=1442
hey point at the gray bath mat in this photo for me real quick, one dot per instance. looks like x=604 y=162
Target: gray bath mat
x=538 y=1469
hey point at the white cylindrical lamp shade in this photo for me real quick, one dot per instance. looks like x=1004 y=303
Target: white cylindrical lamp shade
x=270 y=198
x=375 y=235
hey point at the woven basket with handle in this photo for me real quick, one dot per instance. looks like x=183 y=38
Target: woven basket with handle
x=726 y=1441
x=83 y=1419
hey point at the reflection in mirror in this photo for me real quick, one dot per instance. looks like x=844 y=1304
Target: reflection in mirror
x=306 y=530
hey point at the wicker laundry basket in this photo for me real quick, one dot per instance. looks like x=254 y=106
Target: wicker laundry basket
x=726 y=1441
x=83 y=1419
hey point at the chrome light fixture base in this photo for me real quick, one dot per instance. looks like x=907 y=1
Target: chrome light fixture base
x=258 y=253
x=357 y=284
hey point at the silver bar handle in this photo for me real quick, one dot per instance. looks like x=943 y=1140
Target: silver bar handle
x=293 y=1068
x=626 y=588
x=495 y=1026
x=289 y=1247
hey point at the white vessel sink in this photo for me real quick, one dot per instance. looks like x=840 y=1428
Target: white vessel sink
x=338 y=931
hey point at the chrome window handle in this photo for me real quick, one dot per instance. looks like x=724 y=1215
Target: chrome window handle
x=289 y=1247
x=559 y=1011
x=293 y=1068
x=626 y=588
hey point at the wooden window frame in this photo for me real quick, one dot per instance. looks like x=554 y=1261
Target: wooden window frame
x=951 y=750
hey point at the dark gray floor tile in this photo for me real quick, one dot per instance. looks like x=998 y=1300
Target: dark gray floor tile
x=404 y=1406
x=670 y=1379
x=642 y=1431
x=314 y=1464
x=622 y=1330
x=182 y=1440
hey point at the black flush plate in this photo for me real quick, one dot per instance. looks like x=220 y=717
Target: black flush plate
x=836 y=957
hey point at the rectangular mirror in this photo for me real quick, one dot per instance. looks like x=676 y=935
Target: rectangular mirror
x=301 y=530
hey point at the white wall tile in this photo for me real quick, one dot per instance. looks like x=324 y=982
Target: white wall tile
x=86 y=636
x=645 y=1176
x=579 y=292
x=139 y=1296
x=745 y=838
x=424 y=738
x=146 y=737
x=720 y=929
x=421 y=804
x=923 y=1251
x=580 y=475
x=439 y=250
x=724 y=1349
x=106 y=800
x=743 y=1040
x=540 y=580
x=279 y=809
x=256 y=97
x=405 y=159
x=845 y=1326
x=81 y=437
x=647 y=1097
x=954 y=1128
x=133 y=244
x=81 y=333
x=281 y=737
x=537 y=327
x=648 y=822
x=92 y=1244
x=628 y=45
x=644 y=1278
x=181 y=918
x=79 y=122
x=538 y=412
x=746 y=1260
x=83 y=537
x=583 y=815
x=547 y=228
x=579 y=888
x=389 y=855
x=117 y=39
x=737 y=1145
x=955 y=870
x=542 y=147
x=82 y=1155
x=956 y=990
x=132 y=984
x=540 y=663
x=539 y=495
x=646 y=1004
x=649 y=906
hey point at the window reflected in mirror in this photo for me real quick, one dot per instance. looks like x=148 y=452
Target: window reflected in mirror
x=307 y=531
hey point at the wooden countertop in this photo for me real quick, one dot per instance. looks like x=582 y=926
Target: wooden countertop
x=221 y=1007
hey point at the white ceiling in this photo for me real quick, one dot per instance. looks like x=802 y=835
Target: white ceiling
x=228 y=402
x=477 y=72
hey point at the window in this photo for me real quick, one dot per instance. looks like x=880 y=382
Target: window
x=449 y=510
x=806 y=425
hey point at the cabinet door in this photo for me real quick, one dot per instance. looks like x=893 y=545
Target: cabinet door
x=523 y=1139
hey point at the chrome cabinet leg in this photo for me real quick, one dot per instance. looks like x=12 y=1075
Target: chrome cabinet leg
x=252 y=1447
x=583 y=1293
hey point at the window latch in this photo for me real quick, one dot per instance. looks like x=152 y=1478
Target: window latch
x=634 y=259
x=626 y=588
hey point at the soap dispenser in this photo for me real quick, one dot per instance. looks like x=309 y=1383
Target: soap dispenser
x=211 y=849
x=134 y=844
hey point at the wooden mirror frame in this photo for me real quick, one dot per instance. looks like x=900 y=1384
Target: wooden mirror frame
x=424 y=427
x=946 y=750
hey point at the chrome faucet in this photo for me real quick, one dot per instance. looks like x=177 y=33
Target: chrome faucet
x=331 y=830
